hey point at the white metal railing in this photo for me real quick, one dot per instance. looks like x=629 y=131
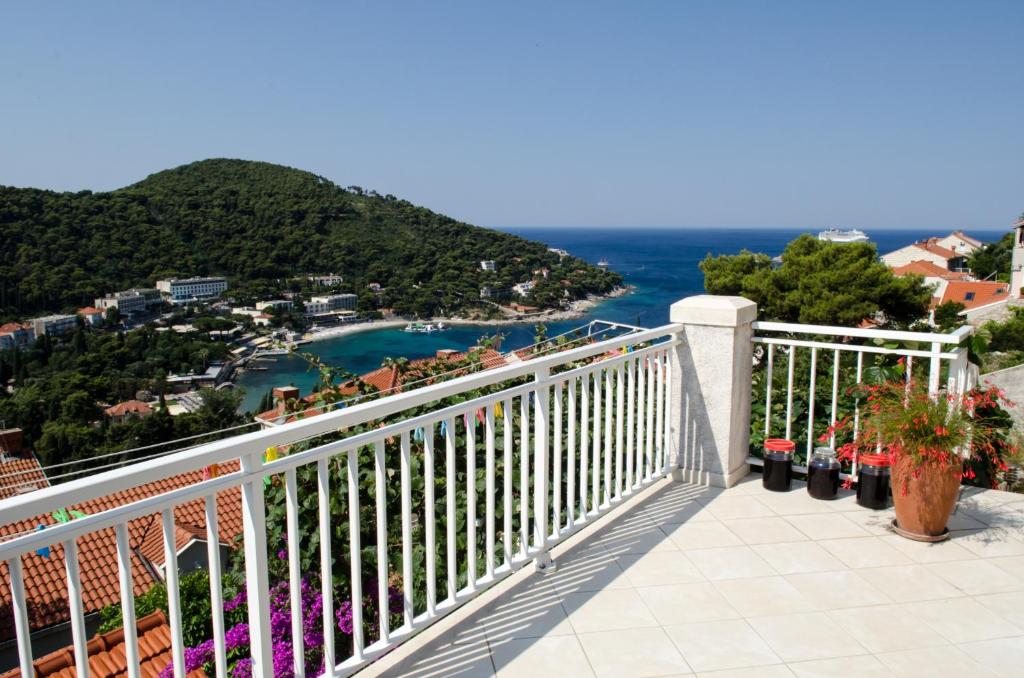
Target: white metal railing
x=594 y=426
x=943 y=353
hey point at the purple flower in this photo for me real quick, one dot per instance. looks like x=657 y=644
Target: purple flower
x=243 y=669
x=282 y=555
x=237 y=636
x=235 y=602
x=344 y=617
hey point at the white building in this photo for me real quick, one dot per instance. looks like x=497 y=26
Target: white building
x=562 y=254
x=952 y=257
x=126 y=302
x=959 y=242
x=275 y=305
x=329 y=280
x=16 y=335
x=523 y=288
x=1017 y=260
x=183 y=290
x=488 y=265
x=331 y=303
x=54 y=325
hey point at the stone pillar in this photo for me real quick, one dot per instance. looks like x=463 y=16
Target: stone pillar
x=711 y=389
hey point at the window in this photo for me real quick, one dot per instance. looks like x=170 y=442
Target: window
x=969 y=296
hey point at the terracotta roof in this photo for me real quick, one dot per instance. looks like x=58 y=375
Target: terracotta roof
x=128 y=407
x=20 y=475
x=930 y=270
x=45 y=582
x=8 y=328
x=930 y=245
x=968 y=239
x=108 y=657
x=90 y=310
x=975 y=294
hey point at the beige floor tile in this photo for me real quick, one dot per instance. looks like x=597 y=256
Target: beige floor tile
x=962 y=521
x=827 y=526
x=730 y=562
x=798 y=557
x=886 y=628
x=909 y=583
x=592 y=569
x=795 y=502
x=733 y=507
x=634 y=538
x=933 y=662
x=764 y=530
x=709 y=646
x=633 y=653
x=1009 y=605
x=837 y=590
x=863 y=666
x=764 y=596
x=773 y=671
x=923 y=552
x=1004 y=657
x=873 y=522
x=687 y=603
x=530 y=614
x=677 y=510
x=532 y=657
x=976 y=577
x=963 y=620
x=652 y=569
x=590 y=612
x=701 y=535
x=1014 y=566
x=989 y=543
x=805 y=636
x=442 y=657
x=863 y=552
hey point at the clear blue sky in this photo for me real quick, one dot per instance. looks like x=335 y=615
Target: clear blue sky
x=774 y=113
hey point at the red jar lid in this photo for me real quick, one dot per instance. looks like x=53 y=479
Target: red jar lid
x=877 y=460
x=779 y=445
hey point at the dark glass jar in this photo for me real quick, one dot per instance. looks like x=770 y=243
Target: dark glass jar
x=778 y=464
x=823 y=474
x=873 y=480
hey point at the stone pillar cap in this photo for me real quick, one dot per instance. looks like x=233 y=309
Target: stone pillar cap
x=713 y=310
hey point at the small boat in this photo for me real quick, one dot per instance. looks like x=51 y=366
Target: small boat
x=421 y=328
x=603 y=264
x=849 y=235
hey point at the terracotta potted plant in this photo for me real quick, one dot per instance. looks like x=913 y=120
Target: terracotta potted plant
x=931 y=441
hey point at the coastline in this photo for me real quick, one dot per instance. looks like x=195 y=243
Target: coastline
x=577 y=309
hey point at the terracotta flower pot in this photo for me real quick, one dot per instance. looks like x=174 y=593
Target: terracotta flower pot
x=923 y=504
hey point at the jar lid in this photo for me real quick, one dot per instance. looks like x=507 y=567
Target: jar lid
x=779 y=445
x=824 y=452
x=877 y=460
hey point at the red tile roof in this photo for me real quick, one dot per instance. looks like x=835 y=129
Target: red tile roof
x=8 y=328
x=90 y=310
x=930 y=245
x=981 y=293
x=128 y=407
x=20 y=475
x=928 y=269
x=967 y=239
x=45 y=581
x=108 y=657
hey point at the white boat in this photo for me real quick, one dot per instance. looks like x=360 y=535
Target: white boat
x=421 y=328
x=603 y=264
x=849 y=235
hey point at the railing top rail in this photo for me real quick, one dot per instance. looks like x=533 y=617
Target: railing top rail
x=956 y=337
x=74 y=492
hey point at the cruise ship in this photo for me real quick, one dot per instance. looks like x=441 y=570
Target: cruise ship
x=836 y=235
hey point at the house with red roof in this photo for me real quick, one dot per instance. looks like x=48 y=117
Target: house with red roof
x=129 y=409
x=947 y=253
x=93 y=316
x=16 y=335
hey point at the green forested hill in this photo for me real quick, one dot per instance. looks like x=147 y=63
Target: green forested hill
x=254 y=222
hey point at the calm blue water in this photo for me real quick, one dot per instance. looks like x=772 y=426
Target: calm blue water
x=660 y=263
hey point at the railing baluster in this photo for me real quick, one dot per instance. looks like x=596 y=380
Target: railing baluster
x=449 y=453
x=608 y=434
x=542 y=418
x=584 y=442
x=257 y=576
x=323 y=491
x=294 y=570
x=79 y=639
x=835 y=398
x=659 y=414
x=649 y=430
x=355 y=555
x=19 y=606
x=220 y=660
x=667 y=446
x=595 y=460
x=630 y=424
x=557 y=453
x=641 y=406
x=407 y=580
x=790 y=369
x=173 y=591
x=380 y=490
x=856 y=410
x=127 y=586
x=470 y=421
x=768 y=391
x=430 y=518
x=620 y=413
x=810 y=403
x=570 y=459
x=489 y=490
x=524 y=474
x=506 y=451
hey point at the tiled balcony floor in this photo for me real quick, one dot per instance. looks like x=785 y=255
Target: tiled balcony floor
x=746 y=582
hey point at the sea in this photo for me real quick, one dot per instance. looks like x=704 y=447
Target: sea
x=660 y=263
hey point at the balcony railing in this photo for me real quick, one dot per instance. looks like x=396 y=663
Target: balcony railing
x=551 y=442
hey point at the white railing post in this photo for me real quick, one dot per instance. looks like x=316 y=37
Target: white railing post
x=257 y=579
x=711 y=385
x=541 y=418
